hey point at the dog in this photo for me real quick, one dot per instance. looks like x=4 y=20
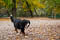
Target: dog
x=20 y=24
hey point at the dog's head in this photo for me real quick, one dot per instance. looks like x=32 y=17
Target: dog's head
x=26 y=23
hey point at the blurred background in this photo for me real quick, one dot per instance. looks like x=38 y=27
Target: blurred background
x=44 y=16
x=30 y=8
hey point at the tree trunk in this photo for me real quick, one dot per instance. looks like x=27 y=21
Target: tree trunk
x=36 y=12
x=31 y=13
x=28 y=6
x=14 y=8
x=52 y=14
x=8 y=13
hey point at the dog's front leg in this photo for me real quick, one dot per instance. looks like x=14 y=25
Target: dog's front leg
x=22 y=31
x=16 y=30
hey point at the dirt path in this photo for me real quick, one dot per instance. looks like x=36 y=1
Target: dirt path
x=38 y=30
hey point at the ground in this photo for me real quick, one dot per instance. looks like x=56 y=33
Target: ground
x=40 y=29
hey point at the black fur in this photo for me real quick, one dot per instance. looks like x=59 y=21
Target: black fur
x=19 y=24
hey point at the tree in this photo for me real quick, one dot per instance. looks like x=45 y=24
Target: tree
x=32 y=5
x=14 y=8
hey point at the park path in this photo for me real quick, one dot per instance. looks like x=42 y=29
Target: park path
x=38 y=30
